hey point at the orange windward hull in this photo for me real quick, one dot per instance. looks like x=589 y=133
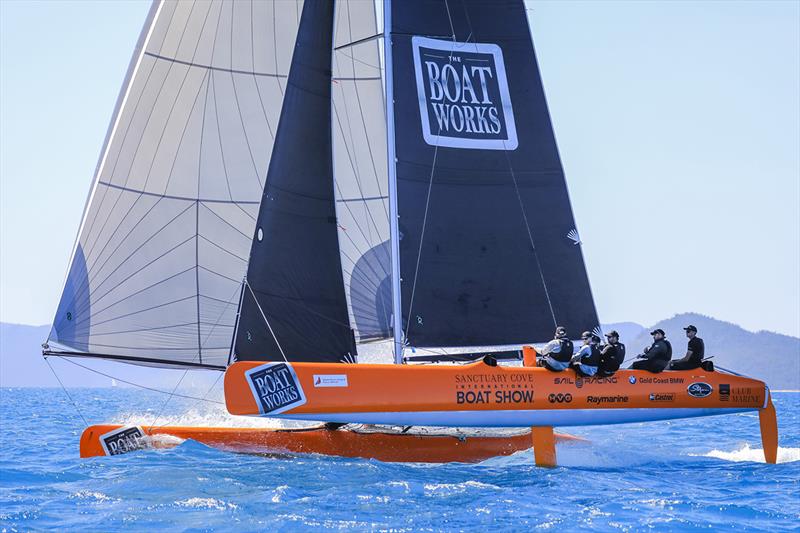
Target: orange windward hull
x=389 y=447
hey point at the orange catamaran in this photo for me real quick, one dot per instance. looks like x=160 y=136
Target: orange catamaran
x=285 y=183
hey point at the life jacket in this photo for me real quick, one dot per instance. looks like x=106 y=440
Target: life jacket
x=593 y=359
x=565 y=354
x=660 y=351
x=611 y=358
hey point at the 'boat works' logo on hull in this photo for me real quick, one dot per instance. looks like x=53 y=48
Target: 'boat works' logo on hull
x=123 y=440
x=463 y=95
x=275 y=387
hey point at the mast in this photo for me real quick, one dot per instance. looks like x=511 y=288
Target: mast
x=397 y=316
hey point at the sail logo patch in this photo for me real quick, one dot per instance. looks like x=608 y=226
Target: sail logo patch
x=123 y=440
x=699 y=390
x=275 y=387
x=463 y=95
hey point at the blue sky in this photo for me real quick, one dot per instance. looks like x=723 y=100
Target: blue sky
x=678 y=125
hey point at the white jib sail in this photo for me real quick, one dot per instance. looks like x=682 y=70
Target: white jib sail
x=166 y=232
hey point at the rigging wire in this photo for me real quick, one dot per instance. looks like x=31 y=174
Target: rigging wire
x=75 y=405
x=139 y=385
x=216 y=381
x=530 y=238
x=247 y=284
x=427 y=201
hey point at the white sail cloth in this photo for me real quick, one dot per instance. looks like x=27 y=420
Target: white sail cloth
x=166 y=231
x=163 y=246
x=360 y=167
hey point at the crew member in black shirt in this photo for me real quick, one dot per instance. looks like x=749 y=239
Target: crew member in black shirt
x=656 y=357
x=694 y=353
x=612 y=355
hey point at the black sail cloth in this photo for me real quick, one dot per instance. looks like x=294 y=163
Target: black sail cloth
x=294 y=278
x=488 y=250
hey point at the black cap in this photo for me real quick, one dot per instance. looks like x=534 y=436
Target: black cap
x=612 y=333
x=659 y=330
x=586 y=335
x=595 y=339
x=561 y=330
x=690 y=328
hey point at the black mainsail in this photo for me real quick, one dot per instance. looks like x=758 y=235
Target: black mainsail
x=293 y=301
x=487 y=250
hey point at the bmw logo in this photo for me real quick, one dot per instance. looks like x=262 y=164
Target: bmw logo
x=632 y=380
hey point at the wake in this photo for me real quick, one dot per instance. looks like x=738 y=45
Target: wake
x=753 y=455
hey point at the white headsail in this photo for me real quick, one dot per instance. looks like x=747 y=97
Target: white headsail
x=162 y=248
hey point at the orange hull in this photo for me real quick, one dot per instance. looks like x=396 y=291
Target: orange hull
x=389 y=447
x=479 y=395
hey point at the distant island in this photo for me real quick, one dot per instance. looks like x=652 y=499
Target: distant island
x=771 y=357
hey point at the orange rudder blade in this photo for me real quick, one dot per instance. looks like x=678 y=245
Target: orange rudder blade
x=544 y=445
x=768 y=420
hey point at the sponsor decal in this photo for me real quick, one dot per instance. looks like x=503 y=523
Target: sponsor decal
x=660 y=380
x=662 y=397
x=275 y=387
x=747 y=395
x=699 y=389
x=560 y=398
x=564 y=381
x=606 y=399
x=123 y=440
x=498 y=396
x=464 y=100
x=581 y=381
x=330 y=380
x=494 y=388
x=494 y=379
x=632 y=380
x=724 y=392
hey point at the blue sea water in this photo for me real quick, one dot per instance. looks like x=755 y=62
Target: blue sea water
x=698 y=474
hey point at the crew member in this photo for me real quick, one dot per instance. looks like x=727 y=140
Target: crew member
x=586 y=361
x=656 y=357
x=557 y=353
x=611 y=355
x=694 y=352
